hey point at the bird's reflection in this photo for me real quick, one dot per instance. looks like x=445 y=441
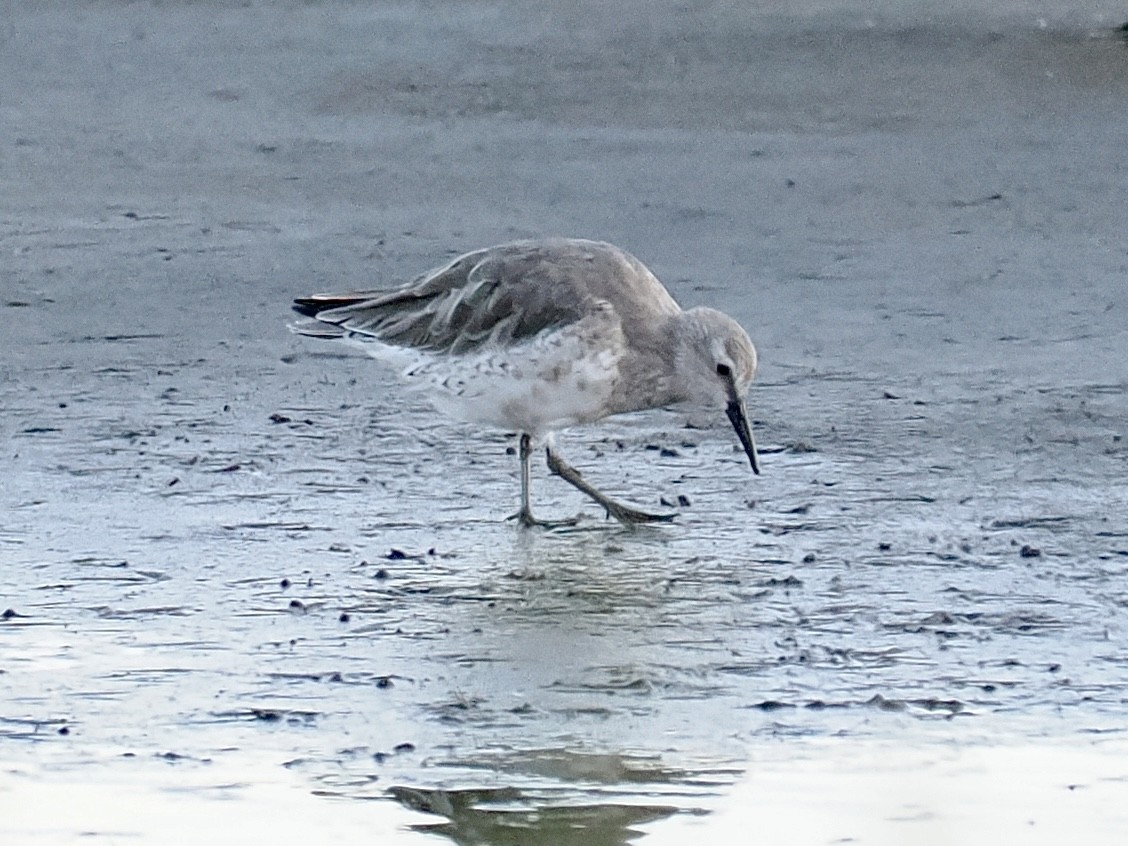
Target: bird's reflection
x=509 y=817
x=565 y=798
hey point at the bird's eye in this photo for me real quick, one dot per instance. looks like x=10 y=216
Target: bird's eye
x=724 y=370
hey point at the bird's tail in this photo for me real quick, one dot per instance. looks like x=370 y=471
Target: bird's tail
x=312 y=306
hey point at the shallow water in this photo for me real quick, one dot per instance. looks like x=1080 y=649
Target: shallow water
x=312 y=596
x=248 y=581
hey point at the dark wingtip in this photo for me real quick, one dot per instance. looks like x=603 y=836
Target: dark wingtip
x=308 y=306
x=313 y=305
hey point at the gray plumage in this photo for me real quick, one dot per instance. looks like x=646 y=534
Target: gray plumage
x=542 y=334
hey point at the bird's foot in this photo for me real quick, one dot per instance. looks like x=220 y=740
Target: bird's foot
x=632 y=516
x=526 y=520
x=623 y=513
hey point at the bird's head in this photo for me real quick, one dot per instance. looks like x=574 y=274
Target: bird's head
x=716 y=363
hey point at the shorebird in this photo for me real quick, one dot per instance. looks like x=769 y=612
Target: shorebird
x=535 y=336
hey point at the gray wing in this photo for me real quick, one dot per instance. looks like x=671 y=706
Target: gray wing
x=499 y=296
x=496 y=296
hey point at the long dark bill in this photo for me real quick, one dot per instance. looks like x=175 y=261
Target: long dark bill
x=738 y=416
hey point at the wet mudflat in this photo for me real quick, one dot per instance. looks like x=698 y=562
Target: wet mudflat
x=243 y=572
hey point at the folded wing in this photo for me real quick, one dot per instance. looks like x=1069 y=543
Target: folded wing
x=497 y=296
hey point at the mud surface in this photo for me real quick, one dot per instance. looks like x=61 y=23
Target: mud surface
x=225 y=545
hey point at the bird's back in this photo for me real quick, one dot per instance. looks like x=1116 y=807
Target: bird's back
x=501 y=296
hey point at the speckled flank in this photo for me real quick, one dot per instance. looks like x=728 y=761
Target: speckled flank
x=554 y=380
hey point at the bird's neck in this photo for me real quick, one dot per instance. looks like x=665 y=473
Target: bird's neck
x=651 y=369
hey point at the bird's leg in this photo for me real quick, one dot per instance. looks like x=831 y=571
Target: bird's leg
x=623 y=513
x=524 y=516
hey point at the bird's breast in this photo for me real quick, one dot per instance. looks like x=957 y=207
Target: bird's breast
x=557 y=379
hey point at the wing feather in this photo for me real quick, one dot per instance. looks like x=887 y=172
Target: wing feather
x=488 y=297
x=503 y=295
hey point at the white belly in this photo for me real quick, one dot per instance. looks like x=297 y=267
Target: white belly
x=555 y=380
